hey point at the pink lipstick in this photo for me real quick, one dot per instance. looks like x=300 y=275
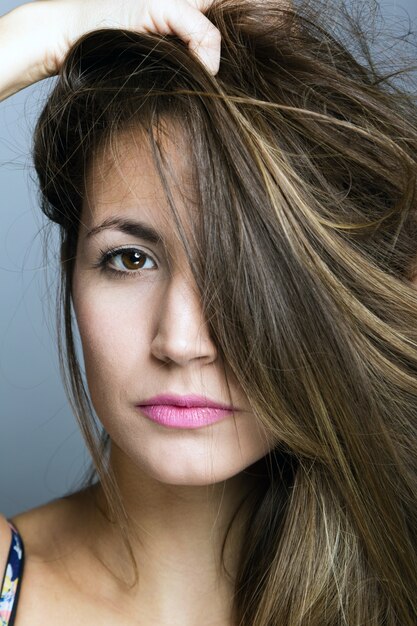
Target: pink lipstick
x=188 y=411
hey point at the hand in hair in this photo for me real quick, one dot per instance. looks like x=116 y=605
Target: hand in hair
x=35 y=37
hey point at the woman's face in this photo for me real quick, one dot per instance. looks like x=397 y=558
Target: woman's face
x=142 y=330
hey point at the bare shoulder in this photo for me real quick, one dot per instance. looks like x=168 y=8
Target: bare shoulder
x=5 y=540
x=63 y=581
x=48 y=527
x=52 y=540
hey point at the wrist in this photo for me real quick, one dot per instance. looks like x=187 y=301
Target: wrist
x=28 y=50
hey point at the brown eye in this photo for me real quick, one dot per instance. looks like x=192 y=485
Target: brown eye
x=130 y=260
x=133 y=259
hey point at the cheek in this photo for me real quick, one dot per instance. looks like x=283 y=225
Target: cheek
x=114 y=335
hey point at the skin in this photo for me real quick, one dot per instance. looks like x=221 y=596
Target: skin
x=145 y=335
x=140 y=336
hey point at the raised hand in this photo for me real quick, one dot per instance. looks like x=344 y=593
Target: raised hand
x=35 y=37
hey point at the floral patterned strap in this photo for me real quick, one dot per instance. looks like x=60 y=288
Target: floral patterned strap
x=9 y=590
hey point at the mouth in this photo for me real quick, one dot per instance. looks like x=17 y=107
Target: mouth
x=190 y=411
x=183 y=417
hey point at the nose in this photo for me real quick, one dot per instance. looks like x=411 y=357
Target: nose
x=181 y=334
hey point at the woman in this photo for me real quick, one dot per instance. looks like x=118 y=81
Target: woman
x=238 y=254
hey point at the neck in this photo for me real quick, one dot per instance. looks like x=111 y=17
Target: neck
x=177 y=536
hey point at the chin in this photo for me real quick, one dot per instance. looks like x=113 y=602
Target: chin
x=192 y=472
x=187 y=458
x=189 y=479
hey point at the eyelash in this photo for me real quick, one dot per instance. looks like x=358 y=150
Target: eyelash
x=106 y=256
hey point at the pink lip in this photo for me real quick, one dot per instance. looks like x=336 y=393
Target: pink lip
x=184 y=411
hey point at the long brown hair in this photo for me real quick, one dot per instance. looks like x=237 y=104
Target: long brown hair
x=304 y=160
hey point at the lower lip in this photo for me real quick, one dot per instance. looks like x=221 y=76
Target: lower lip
x=183 y=417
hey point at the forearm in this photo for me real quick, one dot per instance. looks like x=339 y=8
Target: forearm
x=22 y=46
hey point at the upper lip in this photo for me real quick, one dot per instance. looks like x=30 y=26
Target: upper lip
x=186 y=401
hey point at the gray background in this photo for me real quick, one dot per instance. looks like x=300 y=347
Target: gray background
x=42 y=454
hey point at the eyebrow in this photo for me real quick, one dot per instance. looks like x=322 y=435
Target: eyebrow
x=137 y=229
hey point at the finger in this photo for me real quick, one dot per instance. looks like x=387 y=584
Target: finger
x=201 y=36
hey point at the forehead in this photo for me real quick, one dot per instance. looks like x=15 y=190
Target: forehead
x=123 y=179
